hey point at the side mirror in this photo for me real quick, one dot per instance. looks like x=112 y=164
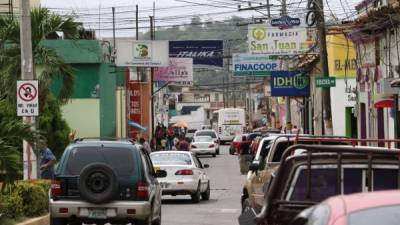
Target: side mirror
x=254 y=166
x=161 y=173
x=206 y=166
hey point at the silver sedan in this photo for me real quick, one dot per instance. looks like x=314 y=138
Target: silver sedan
x=185 y=174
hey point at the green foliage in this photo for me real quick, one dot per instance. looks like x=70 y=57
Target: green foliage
x=10 y=206
x=34 y=199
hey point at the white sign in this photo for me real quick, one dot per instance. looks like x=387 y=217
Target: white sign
x=27 y=98
x=142 y=53
x=255 y=65
x=179 y=70
x=265 y=39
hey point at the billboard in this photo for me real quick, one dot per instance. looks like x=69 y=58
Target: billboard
x=203 y=52
x=179 y=70
x=142 y=53
x=245 y=64
x=135 y=106
x=290 y=83
x=265 y=39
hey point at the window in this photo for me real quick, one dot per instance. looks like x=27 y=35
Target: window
x=280 y=149
x=206 y=133
x=388 y=215
x=385 y=179
x=171 y=159
x=323 y=185
x=120 y=159
x=353 y=178
x=197 y=161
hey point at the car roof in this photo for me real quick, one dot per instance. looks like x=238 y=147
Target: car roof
x=361 y=201
x=206 y=130
x=166 y=152
x=99 y=141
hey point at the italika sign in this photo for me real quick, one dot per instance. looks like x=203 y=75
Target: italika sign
x=254 y=65
x=290 y=83
x=285 y=22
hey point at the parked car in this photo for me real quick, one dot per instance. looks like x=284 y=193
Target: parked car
x=186 y=175
x=190 y=134
x=203 y=145
x=381 y=207
x=240 y=139
x=99 y=181
x=309 y=174
x=211 y=133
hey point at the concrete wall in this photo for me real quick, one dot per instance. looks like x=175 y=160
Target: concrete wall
x=86 y=120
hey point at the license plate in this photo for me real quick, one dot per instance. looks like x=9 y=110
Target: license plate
x=164 y=185
x=97 y=214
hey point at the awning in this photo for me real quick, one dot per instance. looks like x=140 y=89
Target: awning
x=136 y=125
x=385 y=103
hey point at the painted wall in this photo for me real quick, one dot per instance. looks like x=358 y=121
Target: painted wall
x=86 y=120
x=107 y=101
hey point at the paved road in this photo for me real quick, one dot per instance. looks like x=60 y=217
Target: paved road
x=223 y=208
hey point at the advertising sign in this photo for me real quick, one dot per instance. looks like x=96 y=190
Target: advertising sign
x=290 y=83
x=135 y=107
x=179 y=70
x=265 y=39
x=254 y=65
x=203 y=52
x=285 y=22
x=142 y=53
x=27 y=98
x=325 y=82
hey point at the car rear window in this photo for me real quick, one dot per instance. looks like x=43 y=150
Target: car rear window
x=388 y=215
x=203 y=139
x=206 y=133
x=120 y=159
x=171 y=159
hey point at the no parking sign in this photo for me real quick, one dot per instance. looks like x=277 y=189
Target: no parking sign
x=27 y=98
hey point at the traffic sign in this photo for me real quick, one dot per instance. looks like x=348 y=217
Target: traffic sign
x=325 y=82
x=27 y=98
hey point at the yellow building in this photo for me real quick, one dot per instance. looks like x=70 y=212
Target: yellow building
x=6 y=4
x=341 y=56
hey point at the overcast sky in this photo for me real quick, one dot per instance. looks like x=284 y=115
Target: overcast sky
x=96 y=14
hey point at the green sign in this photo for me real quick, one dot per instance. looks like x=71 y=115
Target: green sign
x=325 y=82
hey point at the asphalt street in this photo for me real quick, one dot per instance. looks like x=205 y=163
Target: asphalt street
x=223 y=208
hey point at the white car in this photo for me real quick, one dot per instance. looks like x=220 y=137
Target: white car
x=203 y=145
x=211 y=133
x=185 y=174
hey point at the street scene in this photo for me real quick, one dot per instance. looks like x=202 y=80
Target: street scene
x=199 y=112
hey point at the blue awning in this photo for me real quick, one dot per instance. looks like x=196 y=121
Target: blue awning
x=136 y=125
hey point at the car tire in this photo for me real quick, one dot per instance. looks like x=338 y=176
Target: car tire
x=217 y=151
x=206 y=195
x=196 y=197
x=246 y=205
x=58 y=221
x=214 y=155
x=98 y=183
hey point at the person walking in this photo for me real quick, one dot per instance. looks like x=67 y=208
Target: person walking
x=47 y=161
x=170 y=138
x=182 y=145
x=244 y=156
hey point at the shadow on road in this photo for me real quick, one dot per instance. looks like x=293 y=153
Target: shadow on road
x=186 y=202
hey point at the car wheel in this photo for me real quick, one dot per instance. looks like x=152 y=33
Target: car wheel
x=197 y=195
x=217 y=151
x=58 y=221
x=98 y=183
x=206 y=195
x=246 y=205
x=214 y=155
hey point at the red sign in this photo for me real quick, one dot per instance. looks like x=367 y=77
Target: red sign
x=135 y=107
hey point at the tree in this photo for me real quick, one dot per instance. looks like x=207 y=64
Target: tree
x=44 y=24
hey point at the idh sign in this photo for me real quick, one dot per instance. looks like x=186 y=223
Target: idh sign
x=290 y=83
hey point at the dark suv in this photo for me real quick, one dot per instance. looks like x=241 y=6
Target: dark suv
x=100 y=181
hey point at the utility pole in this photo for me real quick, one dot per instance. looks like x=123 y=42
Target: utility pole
x=151 y=76
x=137 y=22
x=113 y=25
x=326 y=94
x=29 y=157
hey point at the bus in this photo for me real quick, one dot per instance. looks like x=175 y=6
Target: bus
x=228 y=123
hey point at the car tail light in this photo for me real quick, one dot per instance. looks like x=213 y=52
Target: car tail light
x=63 y=210
x=143 y=190
x=184 y=172
x=55 y=188
x=211 y=146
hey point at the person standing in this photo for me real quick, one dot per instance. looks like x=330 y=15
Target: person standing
x=170 y=138
x=47 y=161
x=182 y=145
x=145 y=144
x=244 y=156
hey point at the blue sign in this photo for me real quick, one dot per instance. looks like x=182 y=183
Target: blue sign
x=285 y=22
x=203 y=52
x=290 y=83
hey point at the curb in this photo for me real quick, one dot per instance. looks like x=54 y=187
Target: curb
x=44 y=220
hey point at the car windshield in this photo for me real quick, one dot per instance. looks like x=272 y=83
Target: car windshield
x=206 y=133
x=171 y=159
x=203 y=139
x=119 y=159
x=387 y=215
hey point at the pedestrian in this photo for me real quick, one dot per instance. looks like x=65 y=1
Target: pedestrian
x=163 y=144
x=176 y=140
x=153 y=144
x=47 y=160
x=182 y=145
x=145 y=144
x=245 y=156
x=170 y=138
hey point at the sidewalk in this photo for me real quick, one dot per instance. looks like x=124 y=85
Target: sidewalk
x=44 y=220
